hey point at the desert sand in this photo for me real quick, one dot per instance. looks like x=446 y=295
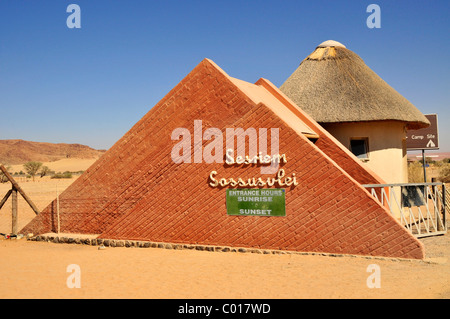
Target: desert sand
x=39 y=269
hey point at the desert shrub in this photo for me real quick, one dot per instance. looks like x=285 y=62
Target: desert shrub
x=3 y=178
x=44 y=171
x=429 y=160
x=438 y=164
x=415 y=172
x=444 y=173
x=62 y=175
x=32 y=168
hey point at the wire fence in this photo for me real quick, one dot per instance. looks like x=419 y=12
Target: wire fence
x=42 y=192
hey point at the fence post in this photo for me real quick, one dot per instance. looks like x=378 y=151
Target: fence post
x=17 y=188
x=444 y=208
x=437 y=207
x=14 y=211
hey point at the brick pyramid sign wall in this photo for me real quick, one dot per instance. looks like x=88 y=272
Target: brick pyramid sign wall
x=136 y=191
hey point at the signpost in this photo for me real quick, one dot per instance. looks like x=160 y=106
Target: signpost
x=424 y=139
x=256 y=202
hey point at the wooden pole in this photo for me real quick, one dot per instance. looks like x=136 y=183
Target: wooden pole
x=5 y=198
x=14 y=211
x=17 y=187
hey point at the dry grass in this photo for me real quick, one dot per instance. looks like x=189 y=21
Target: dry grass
x=415 y=172
x=440 y=171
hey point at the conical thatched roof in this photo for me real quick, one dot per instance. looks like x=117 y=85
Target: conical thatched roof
x=333 y=84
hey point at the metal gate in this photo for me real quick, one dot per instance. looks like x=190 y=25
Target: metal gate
x=420 y=207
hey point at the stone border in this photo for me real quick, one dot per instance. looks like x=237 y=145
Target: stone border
x=148 y=244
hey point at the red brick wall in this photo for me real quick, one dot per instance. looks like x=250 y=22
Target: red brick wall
x=327 y=212
x=135 y=191
x=112 y=185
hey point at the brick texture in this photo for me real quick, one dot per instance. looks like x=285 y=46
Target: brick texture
x=135 y=191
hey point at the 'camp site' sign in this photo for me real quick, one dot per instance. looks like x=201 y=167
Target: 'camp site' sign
x=426 y=138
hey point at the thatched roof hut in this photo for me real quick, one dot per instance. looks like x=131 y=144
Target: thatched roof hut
x=333 y=84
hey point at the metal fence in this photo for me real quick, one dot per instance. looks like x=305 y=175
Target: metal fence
x=420 y=207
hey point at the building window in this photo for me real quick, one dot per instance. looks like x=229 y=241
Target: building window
x=360 y=147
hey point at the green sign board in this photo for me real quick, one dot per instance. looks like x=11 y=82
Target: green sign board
x=256 y=202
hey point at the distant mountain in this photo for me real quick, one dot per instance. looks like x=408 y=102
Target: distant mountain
x=434 y=155
x=19 y=151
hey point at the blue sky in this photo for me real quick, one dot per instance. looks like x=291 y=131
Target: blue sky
x=91 y=85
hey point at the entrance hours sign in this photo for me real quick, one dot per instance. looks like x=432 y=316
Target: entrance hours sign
x=256 y=202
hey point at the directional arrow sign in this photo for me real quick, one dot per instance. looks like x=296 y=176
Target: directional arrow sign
x=425 y=138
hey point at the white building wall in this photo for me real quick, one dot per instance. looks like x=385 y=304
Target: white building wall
x=386 y=146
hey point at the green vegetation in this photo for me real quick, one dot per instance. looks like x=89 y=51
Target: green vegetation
x=32 y=168
x=66 y=174
x=44 y=171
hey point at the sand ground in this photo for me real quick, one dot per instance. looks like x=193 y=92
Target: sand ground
x=39 y=269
